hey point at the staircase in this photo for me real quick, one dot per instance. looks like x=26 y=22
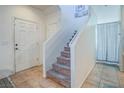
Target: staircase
x=61 y=70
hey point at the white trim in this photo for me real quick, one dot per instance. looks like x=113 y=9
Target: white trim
x=13 y=30
x=104 y=62
x=44 y=66
x=11 y=82
x=13 y=47
x=25 y=20
x=72 y=60
x=117 y=21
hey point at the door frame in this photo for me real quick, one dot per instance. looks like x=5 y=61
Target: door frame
x=13 y=48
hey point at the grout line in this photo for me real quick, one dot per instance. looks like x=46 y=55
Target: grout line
x=11 y=82
x=100 y=76
x=118 y=77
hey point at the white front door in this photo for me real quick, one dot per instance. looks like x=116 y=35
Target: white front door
x=26 y=45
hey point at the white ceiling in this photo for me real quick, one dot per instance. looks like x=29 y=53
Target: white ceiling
x=42 y=7
x=106 y=13
x=47 y=9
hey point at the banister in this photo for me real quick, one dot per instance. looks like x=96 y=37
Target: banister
x=76 y=32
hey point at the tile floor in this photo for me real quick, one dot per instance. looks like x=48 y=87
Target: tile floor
x=102 y=76
x=105 y=76
x=33 y=78
x=5 y=83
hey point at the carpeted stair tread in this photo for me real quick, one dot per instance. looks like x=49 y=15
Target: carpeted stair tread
x=66 y=48
x=62 y=66
x=62 y=69
x=64 y=58
x=65 y=54
x=62 y=79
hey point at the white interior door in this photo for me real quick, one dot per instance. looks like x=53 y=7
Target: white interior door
x=51 y=29
x=101 y=42
x=108 y=40
x=113 y=42
x=26 y=45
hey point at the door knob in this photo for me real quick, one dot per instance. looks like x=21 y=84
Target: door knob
x=16 y=44
x=16 y=48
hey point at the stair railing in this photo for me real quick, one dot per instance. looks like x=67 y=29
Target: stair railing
x=76 y=33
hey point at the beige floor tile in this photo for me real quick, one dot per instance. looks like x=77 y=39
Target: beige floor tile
x=121 y=75
x=105 y=76
x=99 y=66
x=121 y=83
x=47 y=83
x=88 y=84
x=93 y=78
x=102 y=75
x=24 y=84
x=108 y=84
x=33 y=78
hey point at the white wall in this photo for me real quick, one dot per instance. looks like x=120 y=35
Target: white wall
x=105 y=14
x=55 y=44
x=6 y=31
x=122 y=40
x=84 y=56
x=68 y=20
x=122 y=27
x=83 y=52
x=52 y=20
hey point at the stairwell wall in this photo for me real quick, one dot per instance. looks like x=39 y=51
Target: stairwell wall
x=68 y=20
x=83 y=52
x=52 y=20
x=55 y=44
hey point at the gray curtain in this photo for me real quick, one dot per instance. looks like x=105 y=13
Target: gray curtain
x=108 y=42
